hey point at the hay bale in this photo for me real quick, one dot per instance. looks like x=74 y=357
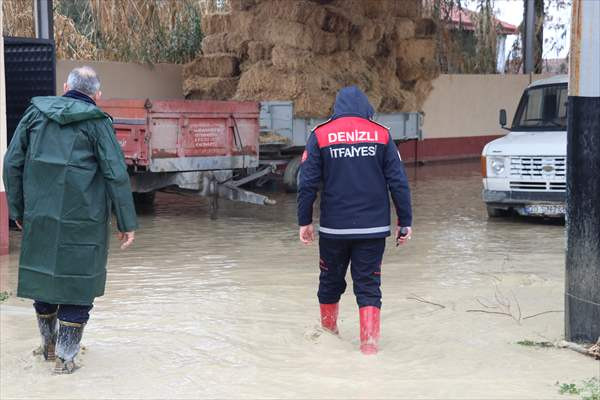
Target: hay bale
x=408 y=8
x=302 y=11
x=393 y=8
x=215 y=43
x=416 y=59
x=368 y=38
x=425 y=28
x=417 y=50
x=421 y=89
x=242 y=5
x=200 y=88
x=372 y=32
x=404 y=28
x=410 y=71
x=231 y=43
x=306 y=50
x=273 y=138
x=290 y=59
x=312 y=94
x=292 y=34
x=262 y=80
x=400 y=101
x=216 y=23
x=335 y=21
x=258 y=51
x=329 y=42
x=247 y=25
x=213 y=65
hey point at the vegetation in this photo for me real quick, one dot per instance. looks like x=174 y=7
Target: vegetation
x=153 y=31
x=587 y=390
x=149 y=31
x=4 y=296
x=544 y=21
x=532 y=343
x=467 y=51
x=462 y=50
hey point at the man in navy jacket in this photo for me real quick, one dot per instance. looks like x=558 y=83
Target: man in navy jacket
x=354 y=162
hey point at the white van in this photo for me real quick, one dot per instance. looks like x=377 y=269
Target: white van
x=525 y=171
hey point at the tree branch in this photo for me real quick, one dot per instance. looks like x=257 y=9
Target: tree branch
x=542 y=313
x=422 y=300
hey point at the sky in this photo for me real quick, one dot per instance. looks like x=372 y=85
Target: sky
x=511 y=11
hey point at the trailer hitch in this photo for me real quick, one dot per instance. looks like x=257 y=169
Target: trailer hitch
x=231 y=190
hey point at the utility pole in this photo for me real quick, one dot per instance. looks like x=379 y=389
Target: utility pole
x=582 y=282
x=528 y=31
x=3 y=202
x=43 y=15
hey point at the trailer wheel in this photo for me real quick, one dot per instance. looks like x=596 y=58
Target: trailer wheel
x=291 y=175
x=144 y=199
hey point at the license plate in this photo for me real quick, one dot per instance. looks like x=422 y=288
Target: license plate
x=545 y=209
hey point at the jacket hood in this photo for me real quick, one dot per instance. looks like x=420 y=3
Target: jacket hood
x=65 y=110
x=351 y=101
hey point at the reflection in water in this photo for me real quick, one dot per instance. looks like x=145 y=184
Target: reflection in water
x=228 y=308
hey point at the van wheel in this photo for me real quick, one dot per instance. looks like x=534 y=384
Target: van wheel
x=494 y=212
x=144 y=199
x=291 y=175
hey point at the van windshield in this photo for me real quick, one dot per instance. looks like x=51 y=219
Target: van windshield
x=542 y=108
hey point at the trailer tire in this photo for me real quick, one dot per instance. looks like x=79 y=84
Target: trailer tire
x=291 y=175
x=144 y=199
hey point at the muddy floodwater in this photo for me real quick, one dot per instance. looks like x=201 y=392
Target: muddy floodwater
x=228 y=309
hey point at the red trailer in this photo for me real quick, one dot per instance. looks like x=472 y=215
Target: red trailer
x=208 y=148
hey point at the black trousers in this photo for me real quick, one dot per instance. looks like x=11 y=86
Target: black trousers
x=365 y=257
x=66 y=312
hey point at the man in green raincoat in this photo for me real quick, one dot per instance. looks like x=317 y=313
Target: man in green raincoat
x=64 y=173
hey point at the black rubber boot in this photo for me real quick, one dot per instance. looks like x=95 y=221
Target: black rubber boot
x=47 y=326
x=67 y=346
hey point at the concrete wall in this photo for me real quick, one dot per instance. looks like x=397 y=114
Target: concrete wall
x=461 y=113
x=458 y=106
x=125 y=80
x=468 y=105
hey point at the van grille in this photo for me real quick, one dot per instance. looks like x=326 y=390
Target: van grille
x=538 y=186
x=536 y=168
x=538 y=173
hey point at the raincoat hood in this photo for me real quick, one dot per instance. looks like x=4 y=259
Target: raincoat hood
x=351 y=101
x=65 y=110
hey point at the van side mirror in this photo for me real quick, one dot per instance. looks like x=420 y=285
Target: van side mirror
x=503 y=118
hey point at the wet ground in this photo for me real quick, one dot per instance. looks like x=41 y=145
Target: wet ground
x=228 y=309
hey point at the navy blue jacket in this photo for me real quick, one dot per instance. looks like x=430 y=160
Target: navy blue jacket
x=356 y=162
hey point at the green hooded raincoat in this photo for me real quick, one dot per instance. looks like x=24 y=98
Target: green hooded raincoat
x=64 y=172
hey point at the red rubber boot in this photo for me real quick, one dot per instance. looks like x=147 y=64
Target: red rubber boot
x=329 y=315
x=369 y=329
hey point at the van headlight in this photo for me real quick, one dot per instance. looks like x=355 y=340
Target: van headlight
x=496 y=166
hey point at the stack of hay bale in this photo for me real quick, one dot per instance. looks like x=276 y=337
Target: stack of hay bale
x=306 y=50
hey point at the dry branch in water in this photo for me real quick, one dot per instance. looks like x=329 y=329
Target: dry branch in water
x=542 y=313
x=593 y=351
x=422 y=300
x=493 y=312
x=500 y=305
